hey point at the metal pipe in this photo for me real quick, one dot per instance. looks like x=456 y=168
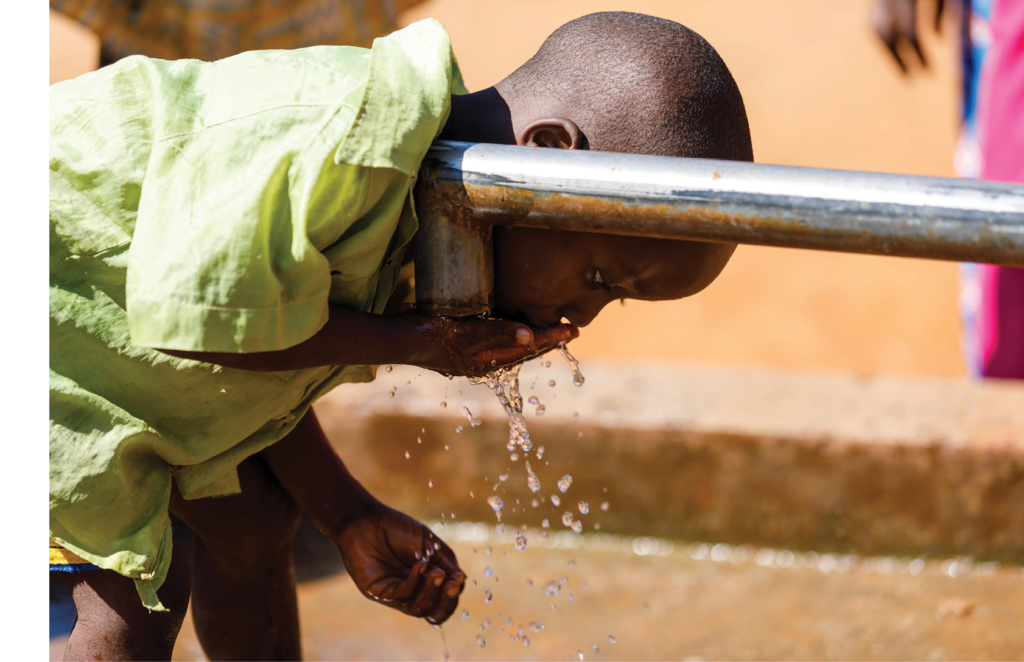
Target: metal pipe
x=465 y=189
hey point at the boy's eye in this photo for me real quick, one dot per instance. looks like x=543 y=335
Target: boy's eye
x=598 y=279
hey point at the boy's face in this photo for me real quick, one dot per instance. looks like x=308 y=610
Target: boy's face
x=542 y=276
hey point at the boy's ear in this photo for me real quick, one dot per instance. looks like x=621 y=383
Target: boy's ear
x=556 y=132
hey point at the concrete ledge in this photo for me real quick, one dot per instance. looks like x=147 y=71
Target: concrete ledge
x=817 y=462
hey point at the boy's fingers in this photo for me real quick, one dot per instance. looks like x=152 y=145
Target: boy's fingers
x=553 y=335
x=405 y=591
x=447 y=604
x=430 y=593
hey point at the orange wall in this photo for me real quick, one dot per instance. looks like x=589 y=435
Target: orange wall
x=819 y=92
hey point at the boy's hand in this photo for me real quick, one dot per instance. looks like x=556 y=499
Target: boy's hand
x=474 y=346
x=397 y=561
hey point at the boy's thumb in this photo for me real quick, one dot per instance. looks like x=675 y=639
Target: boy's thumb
x=524 y=336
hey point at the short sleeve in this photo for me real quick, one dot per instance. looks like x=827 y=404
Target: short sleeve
x=240 y=192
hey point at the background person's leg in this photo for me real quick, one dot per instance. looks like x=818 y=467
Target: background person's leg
x=112 y=623
x=243 y=577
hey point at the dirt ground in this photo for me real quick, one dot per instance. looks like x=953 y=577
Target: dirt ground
x=819 y=91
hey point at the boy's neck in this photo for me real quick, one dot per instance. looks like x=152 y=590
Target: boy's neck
x=481 y=117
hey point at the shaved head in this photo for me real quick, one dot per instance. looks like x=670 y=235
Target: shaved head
x=637 y=84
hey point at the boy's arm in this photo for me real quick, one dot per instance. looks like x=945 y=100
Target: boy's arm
x=467 y=346
x=391 y=557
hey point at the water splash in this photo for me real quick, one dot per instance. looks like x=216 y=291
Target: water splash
x=505 y=384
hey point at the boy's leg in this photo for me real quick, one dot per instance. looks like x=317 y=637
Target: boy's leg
x=243 y=576
x=112 y=623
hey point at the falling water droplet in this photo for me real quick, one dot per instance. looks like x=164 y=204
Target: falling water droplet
x=567 y=518
x=465 y=614
x=430 y=483
x=574 y=365
x=529 y=582
x=584 y=507
x=539 y=411
x=526 y=641
x=520 y=542
x=611 y=639
x=605 y=506
x=488 y=572
x=544 y=523
x=564 y=482
x=500 y=527
x=579 y=654
x=391 y=393
x=551 y=588
x=480 y=641
x=547 y=364
x=514 y=457
x=419 y=440
x=537 y=626
x=496 y=505
x=407 y=455
x=577 y=526
x=551 y=382
x=502 y=477
x=556 y=500
x=488 y=597
x=533 y=400
x=458 y=430
x=534 y=503
x=571 y=564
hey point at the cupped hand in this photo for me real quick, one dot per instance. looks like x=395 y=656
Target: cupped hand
x=475 y=346
x=399 y=562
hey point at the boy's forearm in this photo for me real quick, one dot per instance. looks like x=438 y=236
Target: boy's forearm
x=313 y=474
x=348 y=338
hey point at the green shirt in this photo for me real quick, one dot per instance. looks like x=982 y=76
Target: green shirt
x=215 y=207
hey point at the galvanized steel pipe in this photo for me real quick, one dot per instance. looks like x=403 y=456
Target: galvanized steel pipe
x=465 y=189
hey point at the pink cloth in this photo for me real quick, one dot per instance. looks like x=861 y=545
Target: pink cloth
x=1001 y=134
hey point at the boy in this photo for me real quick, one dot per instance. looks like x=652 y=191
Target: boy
x=224 y=240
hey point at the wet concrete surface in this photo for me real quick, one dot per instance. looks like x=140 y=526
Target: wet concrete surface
x=675 y=608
